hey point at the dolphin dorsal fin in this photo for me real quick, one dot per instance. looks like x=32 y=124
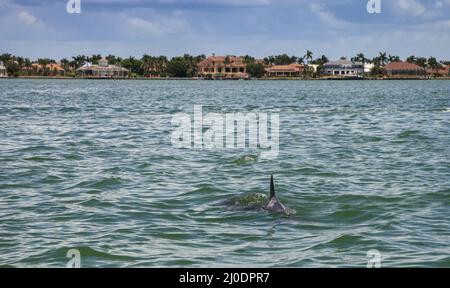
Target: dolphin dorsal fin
x=272 y=187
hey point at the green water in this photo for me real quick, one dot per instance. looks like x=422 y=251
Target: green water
x=89 y=165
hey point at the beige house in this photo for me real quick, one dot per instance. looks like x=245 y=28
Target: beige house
x=3 y=72
x=51 y=68
x=228 y=67
x=103 y=70
x=291 y=70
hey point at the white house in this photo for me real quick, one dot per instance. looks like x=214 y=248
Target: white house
x=3 y=72
x=368 y=67
x=344 y=68
x=103 y=70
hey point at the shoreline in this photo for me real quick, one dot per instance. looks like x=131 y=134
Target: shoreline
x=203 y=79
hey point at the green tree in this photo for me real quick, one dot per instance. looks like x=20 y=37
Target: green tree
x=255 y=69
x=433 y=64
x=383 y=59
x=94 y=59
x=178 y=67
x=308 y=56
x=112 y=60
x=79 y=61
x=282 y=59
x=392 y=58
x=421 y=61
x=134 y=65
x=44 y=62
x=411 y=59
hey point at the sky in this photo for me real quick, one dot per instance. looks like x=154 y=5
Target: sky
x=336 y=28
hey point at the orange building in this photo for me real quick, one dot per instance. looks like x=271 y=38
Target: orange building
x=228 y=67
x=51 y=68
x=293 y=69
x=443 y=71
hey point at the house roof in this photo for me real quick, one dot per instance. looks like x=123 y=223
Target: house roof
x=102 y=68
x=402 y=66
x=445 y=70
x=51 y=66
x=342 y=63
x=234 y=61
x=285 y=68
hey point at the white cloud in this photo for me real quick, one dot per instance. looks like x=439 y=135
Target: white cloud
x=158 y=26
x=327 y=17
x=30 y=20
x=411 y=7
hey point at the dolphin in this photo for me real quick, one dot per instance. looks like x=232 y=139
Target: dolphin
x=274 y=205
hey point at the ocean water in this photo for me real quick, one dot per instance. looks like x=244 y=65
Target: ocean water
x=89 y=165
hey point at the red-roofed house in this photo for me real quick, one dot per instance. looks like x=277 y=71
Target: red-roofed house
x=231 y=67
x=440 y=72
x=285 y=70
x=404 y=69
x=51 y=68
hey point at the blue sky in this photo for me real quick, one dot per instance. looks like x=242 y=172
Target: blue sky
x=43 y=28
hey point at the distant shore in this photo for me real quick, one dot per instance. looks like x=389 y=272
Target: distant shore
x=204 y=79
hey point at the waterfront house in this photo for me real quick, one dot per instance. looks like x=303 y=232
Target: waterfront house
x=343 y=68
x=228 y=67
x=404 y=70
x=368 y=67
x=3 y=72
x=291 y=70
x=49 y=69
x=443 y=71
x=103 y=70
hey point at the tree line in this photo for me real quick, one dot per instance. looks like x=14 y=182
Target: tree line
x=186 y=65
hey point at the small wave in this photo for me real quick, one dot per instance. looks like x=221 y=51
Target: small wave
x=447 y=110
x=204 y=188
x=39 y=159
x=345 y=239
x=87 y=253
x=51 y=179
x=69 y=109
x=408 y=133
x=99 y=184
x=246 y=159
x=36 y=148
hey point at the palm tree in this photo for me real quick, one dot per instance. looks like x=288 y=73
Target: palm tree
x=422 y=62
x=111 y=59
x=393 y=59
x=5 y=58
x=383 y=58
x=79 y=61
x=433 y=64
x=27 y=65
x=44 y=62
x=95 y=58
x=411 y=59
x=308 y=56
x=65 y=64
x=360 y=57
